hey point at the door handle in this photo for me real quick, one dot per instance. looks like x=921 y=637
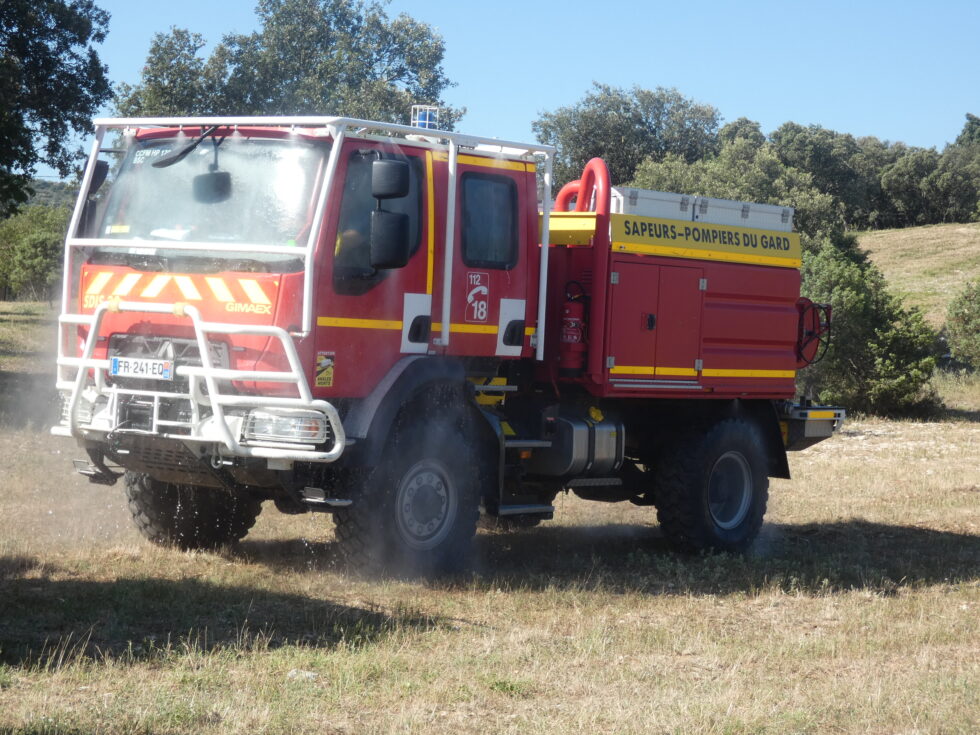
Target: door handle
x=514 y=333
x=419 y=329
x=651 y=321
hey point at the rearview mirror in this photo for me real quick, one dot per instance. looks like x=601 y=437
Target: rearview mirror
x=389 y=179
x=212 y=187
x=389 y=239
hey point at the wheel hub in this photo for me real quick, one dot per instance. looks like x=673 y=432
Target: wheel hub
x=730 y=490
x=425 y=505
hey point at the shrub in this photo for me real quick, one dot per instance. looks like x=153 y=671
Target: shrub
x=882 y=354
x=963 y=325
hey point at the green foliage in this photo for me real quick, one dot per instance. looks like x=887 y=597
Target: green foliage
x=51 y=82
x=31 y=247
x=326 y=57
x=882 y=354
x=53 y=193
x=963 y=325
x=626 y=127
x=746 y=169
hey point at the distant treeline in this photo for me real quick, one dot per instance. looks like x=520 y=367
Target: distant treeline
x=659 y=139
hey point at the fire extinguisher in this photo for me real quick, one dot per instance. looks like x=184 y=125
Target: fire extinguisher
x=572 y=349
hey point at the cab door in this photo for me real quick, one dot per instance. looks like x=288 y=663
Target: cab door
x=489 y=299
x=368 y=318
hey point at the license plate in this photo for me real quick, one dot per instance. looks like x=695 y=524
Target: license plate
x=141 y=367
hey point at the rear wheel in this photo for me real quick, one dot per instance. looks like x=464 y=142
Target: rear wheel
x=711 y=490
x=186 y=516
x=417 y=512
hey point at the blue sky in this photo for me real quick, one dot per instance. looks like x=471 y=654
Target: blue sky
x=897 y=70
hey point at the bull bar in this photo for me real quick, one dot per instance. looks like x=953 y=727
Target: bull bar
x=220 y=428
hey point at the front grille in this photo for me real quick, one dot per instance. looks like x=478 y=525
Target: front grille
x=182 y=351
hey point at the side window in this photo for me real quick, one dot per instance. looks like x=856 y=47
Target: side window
x=489 y=221
x=352 y=271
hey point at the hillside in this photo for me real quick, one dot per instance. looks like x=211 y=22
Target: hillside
x=927 y=266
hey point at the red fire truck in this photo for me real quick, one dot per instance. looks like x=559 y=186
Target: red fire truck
x=392 y=325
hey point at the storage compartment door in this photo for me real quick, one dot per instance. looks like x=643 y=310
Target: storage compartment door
x=679 y=322
x=633 y=320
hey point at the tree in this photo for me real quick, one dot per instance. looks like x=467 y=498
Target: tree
x=51 y=83
x=882 y=355
x=31 y=247
x=326 y=57
x=746 y=171
x=626 y=128
x=963 y=325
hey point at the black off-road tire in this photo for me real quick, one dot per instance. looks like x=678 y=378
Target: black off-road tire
x=417 y=512
x=711 y=490
x=186 y=516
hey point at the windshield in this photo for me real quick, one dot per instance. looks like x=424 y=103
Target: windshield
x=255 y=191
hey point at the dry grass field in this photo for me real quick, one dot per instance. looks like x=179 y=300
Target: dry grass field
x=927 y=265
x=857 y=611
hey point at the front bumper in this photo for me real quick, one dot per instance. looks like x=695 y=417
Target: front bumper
x=205 y=415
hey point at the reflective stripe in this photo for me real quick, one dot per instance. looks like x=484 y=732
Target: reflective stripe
x=220 y=289
x=187 y=288
x=156 y=286
x=720 y=373
x=339 y=321
x=647 y=370
x=98 y=283
x=706 y=255
x=254 y=291
x=708 y=373
x=431 y=243
x=126 y=284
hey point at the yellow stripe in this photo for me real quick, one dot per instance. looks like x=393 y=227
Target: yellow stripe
x=721 y=373
x=706 y=255
x=485 y=162
x=187 y=288
x=338 y=321
x=648 y=370
x=431 y=246
x=254 y=291
x=468 y=328
x=708 y=373
x=530 y=331
x=820 y=415
x=633 y=370
x=98 y=283
x=220 y=289
x=126 y=284
x=156 y=286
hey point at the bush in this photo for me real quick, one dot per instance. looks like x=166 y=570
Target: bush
x=963 y=325
x=882 y=354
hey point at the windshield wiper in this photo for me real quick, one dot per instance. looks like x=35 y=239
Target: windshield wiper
x=178 y=156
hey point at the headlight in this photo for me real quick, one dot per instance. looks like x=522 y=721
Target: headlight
x=84 y=409
x=286 y=425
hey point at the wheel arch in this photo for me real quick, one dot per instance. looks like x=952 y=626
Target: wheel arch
x=370 y=422
x=763 y=415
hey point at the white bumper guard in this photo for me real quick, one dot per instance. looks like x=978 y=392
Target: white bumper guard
x=234 y=425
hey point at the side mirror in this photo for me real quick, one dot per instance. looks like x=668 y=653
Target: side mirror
x=389 y=179
x=389 y=239
x=212 y=187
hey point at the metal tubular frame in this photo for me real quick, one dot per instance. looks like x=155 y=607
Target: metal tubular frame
x=336 y=129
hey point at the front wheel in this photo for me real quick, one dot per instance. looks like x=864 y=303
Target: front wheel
x=186 y=516
x=712 y=490
x=417 y=512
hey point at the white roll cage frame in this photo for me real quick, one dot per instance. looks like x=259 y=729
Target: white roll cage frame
x=336 y=129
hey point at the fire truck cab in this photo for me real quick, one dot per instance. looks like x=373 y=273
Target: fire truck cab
x=382 y=322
